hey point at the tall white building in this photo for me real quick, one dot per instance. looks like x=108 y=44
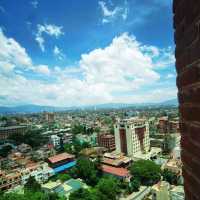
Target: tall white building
x=55 y=140
x=132 y=136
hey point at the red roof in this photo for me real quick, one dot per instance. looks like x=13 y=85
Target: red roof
x=60 y=157
x=122 y=172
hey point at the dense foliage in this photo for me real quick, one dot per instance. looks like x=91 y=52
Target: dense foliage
x=146 y=171
x=76 y=147
x=86 y=170
x=5 y=151
x=32 y=191
x=170 y=177
x=33 y=137
x=107 y=188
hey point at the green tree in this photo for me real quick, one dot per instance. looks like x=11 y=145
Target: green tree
x=86 y=170
x=169 y=176
x=81 y=194
x=33 y=137
x=32 y=185
x=108 y=188
x=146 y=171
x=134 y=185
x=5 y=151
x=63 y=177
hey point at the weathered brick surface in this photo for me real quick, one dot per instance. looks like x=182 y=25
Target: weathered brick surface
x=187 y=40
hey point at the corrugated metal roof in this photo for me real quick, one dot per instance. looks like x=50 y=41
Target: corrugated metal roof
x=64 y=167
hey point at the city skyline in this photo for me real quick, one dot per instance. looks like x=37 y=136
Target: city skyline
x=76 y=53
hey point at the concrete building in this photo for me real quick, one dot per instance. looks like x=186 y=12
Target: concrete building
x=132 y=136
x=64 y=189
x=166 y=126
x=118 y=172
x=55 y=141
x=163 y=125
x=6 y=132
x=40 y=171
x=9 y=180
x=107 y=141
x=177 y=193
x=160 y=191
x=49 y=117
x=61 y=162
x=67 y=138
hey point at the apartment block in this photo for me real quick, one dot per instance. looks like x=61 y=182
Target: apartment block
x=132 y=136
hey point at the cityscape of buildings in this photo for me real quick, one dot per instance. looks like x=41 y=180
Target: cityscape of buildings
x=115 y=138
x=99 y=100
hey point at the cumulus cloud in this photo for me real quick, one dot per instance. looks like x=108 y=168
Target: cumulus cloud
x=116 y=73
x=12 y=55
x=122 y=65
x=42 y=69
x=49 y=29
x=111 y=14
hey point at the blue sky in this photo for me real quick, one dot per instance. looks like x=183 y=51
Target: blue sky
x=66 y=53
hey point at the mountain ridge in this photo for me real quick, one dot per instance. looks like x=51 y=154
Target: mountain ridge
x=32 y=108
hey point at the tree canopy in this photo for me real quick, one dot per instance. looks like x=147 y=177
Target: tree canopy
x=146 y=171
x=169 y=176
x=86 y=169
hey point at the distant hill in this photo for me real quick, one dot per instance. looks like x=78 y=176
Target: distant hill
x=38 y=108
x=171 y=102
x=29 y=109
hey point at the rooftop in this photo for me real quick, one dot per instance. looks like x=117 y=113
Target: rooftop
x=11 y=127
x=121 y=172
x=64 y=167
x=51 y=185
x=60 y=157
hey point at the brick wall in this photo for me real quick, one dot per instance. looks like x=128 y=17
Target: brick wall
x=187 y=39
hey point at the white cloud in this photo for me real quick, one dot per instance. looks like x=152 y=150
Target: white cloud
x=121 y=65
x=170 y=76
x=42 y=69
x=117 y=73
x=58 y=53
x=110 y=15
x=162 y=57
x=34 y=4
x=49 y=29
x=12 y=55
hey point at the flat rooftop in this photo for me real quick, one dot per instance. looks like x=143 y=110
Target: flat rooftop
x=60 y=157
x=121 y=172
x=11 y=127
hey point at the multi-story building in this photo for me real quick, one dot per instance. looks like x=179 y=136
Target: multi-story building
x=132 y=136
x=49 y=117
x=167 y=126
x=6 y=132
x=40 y=171
x=160 y=191
x=67 y=138
x=61 y=162
x=163 y=125
x=55 y=141
x=107 y=141
x=9 y=180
